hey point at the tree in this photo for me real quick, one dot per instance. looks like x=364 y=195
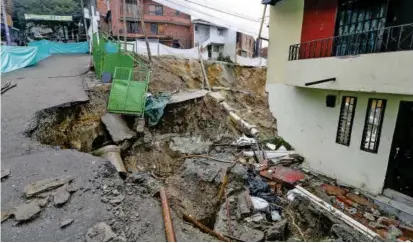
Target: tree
x=45 y=7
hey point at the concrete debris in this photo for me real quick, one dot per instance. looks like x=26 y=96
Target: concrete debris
x=189 y=145
x=259 y=204
x=256 y=218
x=187 y=95
x=117 y=127
x=277 y=232
x=66 y=222
x=217 y=96
x=38 y=187
x=61 y=196
x=5 y=173
x=100 y=232
x=369 y=216
x=117 y=200
x=42 y=202
x=72 y=188
x=26 y=211
x=252 y=235
x=112 y=153
x=244 y=205
x=5 y=215
x=393 y=233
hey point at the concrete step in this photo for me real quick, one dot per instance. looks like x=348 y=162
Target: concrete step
x=404 y=211
x=397 y=196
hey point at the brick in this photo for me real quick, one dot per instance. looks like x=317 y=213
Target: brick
x=333 y=190
x=359 y=200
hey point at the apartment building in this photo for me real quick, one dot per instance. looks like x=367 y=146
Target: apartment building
x=340 y=83
x=245 y=45
x=171 y=27
x=222 y=40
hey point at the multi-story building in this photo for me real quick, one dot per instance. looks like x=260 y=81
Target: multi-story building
x=245 y=45
x=340 y=83
x=171 y=27
x=222 y=40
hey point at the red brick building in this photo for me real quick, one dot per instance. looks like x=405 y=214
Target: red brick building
x=170 y=26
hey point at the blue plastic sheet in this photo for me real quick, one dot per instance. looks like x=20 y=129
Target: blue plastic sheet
x=61 y=48
x=155 y=106
x=111 y=47
x=15 y=57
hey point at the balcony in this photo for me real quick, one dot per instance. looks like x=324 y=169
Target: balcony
x=375 y=61
x=132 y=14
x=397 y=38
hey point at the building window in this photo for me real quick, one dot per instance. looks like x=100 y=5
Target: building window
x=155 y=10
x=372 y=127
x=221 y=31
x=177 y=13
x=154 y=29
x=345 y=120
x=216 y=48
x=196 y=28
x=132 y=27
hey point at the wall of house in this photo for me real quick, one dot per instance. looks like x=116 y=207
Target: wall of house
x=246 y=44
x=286 y=19
x=230 y=45
x=367 y=72
x=202 y=33
x=304 y=121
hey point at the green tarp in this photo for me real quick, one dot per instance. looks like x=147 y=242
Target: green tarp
x=15 y=57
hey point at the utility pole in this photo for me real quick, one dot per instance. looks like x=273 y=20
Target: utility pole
x=259 y=34
x=124 y=23
x=144 y=31
x=6 y=27
x=83 y=17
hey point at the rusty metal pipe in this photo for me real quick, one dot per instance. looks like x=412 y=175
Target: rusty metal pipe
x=205 y=229
x=166 y=212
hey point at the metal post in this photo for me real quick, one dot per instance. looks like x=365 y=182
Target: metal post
x=144 y=31
x=84 y=20
x=6 y=27
x=125 y=30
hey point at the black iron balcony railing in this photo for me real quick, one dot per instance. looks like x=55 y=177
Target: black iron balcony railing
x=396 y=38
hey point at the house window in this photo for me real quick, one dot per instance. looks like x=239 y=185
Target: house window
x=155 y=10
x=220 y=31
x=372 y=127
x=177 y=13
x=154 y=29
x=133 y=27
x=345 y=120
x=196 y=28
x=216 y=48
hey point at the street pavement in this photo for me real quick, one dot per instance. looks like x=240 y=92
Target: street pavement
x=53 y=82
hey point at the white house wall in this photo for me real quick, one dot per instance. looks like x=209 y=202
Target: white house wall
x=202 y=34
x=368 y=72
x=307 y=124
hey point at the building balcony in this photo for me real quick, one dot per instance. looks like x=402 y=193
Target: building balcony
x=152 y=17
x=373 y=61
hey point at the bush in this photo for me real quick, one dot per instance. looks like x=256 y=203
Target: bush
x=224 y=59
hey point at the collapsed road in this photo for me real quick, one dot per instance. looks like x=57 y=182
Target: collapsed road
x=73 y=172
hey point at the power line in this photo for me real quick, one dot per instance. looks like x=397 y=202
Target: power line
x=197 y=10
x=233 y=14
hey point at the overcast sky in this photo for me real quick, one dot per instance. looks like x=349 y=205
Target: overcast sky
x=249 y=13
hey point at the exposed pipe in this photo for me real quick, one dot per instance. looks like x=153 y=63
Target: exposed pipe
x=166 y=212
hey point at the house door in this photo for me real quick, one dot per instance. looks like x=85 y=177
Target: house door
x=400 y=169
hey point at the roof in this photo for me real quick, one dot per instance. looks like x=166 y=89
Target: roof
x=204 y=22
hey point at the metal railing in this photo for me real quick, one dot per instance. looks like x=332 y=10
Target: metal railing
x=390 y=39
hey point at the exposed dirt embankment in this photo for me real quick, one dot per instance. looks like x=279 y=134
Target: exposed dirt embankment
x=246 y=86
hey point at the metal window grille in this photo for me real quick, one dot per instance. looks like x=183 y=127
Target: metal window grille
x=372 y=127
x=345 y=121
